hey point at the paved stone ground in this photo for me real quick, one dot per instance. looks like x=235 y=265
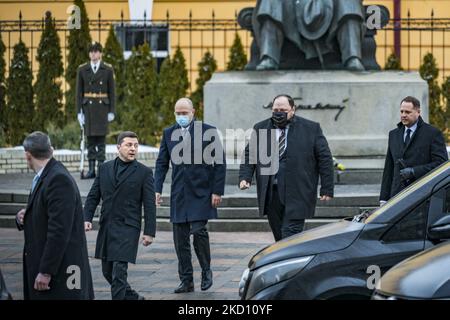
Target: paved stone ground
x=155 y=273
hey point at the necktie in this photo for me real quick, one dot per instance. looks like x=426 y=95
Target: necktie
x=95 y=68
x=408 y=136
x=282 y=142
x=34 y=183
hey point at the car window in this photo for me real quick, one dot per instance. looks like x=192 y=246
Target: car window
x=406 y=192
x=411 y=227
x=447 y=201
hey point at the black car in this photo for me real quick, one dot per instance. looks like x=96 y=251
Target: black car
x=344 y=260
x=423 y=276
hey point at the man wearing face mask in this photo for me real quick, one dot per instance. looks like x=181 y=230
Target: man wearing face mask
x=289 y=195
x=198 y=183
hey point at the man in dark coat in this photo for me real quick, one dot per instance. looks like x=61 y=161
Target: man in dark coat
x=55 y=255
x=287 y=184
x=198 y=182
x=316 y=27
x=414 y=149
x=95 y=104
x=123 y=185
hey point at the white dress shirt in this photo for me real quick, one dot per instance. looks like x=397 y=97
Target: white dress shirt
x=413 y=129
x=95 y=66
x=285 y=133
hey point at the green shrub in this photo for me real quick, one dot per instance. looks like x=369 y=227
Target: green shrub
x=237 y=58
x=68 y=137
x=79 y=41
x=430 y=72
x=393 y=63
x=206 y=67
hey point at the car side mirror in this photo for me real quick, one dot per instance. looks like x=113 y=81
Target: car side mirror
x=440 y=230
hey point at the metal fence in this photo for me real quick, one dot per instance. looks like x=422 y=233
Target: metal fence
x=410 y=38
x=193 y=36
x=415 y=38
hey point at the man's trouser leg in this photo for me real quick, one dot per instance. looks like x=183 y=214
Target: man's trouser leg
x=101 y=150
x=272 y=38
x=275 y=213
x=115 y=272
x=92 y=148
x=96 y=148
x=349 y=37
x=201 y=244
x=181 y=239
x=291 y=226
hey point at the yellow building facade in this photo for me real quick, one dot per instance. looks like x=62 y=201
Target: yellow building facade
x=411 y=45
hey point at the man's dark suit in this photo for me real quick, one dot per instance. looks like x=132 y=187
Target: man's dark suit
x=425 y=151
x=190 y=198
x=54 y=237
x=307 y=157
x=120 y=219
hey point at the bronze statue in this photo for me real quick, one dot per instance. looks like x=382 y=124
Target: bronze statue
x=308 y=34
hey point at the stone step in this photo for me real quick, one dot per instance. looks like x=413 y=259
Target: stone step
x=241 y=199
x=218 y=225
x=349 y=176
x=252 y=212
x=7 y=209
x=231 y=213
x=250 y=200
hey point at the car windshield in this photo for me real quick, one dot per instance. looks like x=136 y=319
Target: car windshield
x=368 y=217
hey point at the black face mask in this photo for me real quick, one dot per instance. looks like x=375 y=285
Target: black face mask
x=280 y=119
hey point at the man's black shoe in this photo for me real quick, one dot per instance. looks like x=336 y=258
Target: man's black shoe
x=207 y=280
x=185 y=287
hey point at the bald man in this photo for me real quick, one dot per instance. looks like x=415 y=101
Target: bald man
x=198 y=181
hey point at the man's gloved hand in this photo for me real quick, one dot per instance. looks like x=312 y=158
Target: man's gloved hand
x=110 y=116
x=81 y=119
x=406 y=174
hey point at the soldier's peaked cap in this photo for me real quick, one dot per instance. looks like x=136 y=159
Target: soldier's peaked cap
x=95 y=46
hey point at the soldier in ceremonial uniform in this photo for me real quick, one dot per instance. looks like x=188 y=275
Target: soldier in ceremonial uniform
x=95 y=100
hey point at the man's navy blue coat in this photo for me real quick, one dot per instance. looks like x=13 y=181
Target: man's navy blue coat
x=193 y=182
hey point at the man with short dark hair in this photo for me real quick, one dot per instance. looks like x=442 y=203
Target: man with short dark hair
x=55 y=253
x=288 y=194
x=414 y=149
x=95 y=104
x=124 y=185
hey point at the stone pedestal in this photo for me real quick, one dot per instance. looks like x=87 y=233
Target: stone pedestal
x=355 y=110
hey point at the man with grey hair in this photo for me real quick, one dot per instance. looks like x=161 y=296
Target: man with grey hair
x=55 y=256
x=197 y=187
